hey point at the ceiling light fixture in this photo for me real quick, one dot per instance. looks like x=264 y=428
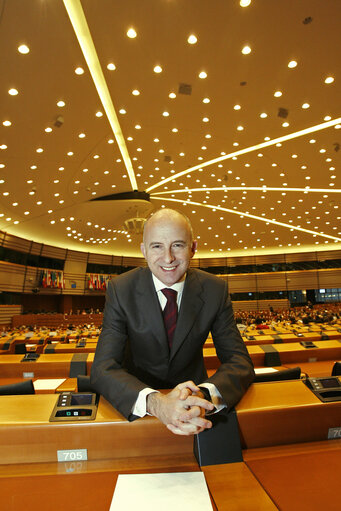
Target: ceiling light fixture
x=80 y=26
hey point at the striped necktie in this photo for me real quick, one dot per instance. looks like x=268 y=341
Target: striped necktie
x=170 y=313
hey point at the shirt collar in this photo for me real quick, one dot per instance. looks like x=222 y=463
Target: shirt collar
x=178 y=286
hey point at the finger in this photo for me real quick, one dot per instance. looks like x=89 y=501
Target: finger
x=190 y=385
x=198 y=401
x=184 y=393
x=183 y=429
x=201 y=423
x=194 y=417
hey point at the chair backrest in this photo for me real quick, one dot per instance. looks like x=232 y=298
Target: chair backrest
x=20 y=348
x=16 y=389
x=292 y=373
x=83 y=384
x=336 y=369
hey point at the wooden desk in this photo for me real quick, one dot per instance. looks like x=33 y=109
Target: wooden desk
x=315 y=369
x=285 y=412
x=301 y=477
x=62 y=347
x=47 y=366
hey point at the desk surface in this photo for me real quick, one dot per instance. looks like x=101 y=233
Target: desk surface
x=305 y=480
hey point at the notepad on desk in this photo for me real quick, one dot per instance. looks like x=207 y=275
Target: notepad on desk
x=48 y=383
x=180 y=490
x=265 y=370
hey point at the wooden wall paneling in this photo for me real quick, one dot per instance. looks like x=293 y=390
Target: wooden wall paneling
x=16 y=243
x=304 y=279
x=11 y=277
x=246 y=282
x=54 y=252
x=330 y=278
x=275 y=281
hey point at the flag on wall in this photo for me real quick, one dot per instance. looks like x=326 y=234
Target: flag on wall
x=98 y=282
x=52 y=279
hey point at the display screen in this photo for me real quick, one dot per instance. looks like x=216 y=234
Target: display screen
x=330 y=383
x=81 y=399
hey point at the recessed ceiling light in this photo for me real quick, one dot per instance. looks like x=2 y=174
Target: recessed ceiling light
x=79 y=71
x=7 y=123
x=240 y=128
x=172 y=95
x=292 y=64
x=244 y=3
x=329 y=79
x=61 y=104
x=48 y=130
x=246 y=50
x=157 y=69
x=165 y=114
x=305 y=106
x=23 y=49
x=131 y=33
x=111 y=66
x=192 y=39
x=39 y=150
x=263 y=115
x=137 y=127
x=202 y=75
x=13 y=92
x=70 y=153
x=278 y=94
x=81 y=135
x=99 y=114
x=175 y=130
x=135 y=92
x=285 y=124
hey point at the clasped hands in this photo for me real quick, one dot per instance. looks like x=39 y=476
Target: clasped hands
x=182 y=410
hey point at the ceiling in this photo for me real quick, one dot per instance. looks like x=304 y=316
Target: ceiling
x=54 y=160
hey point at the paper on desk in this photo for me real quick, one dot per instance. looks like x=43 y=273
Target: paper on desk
x=48 y=384
x=182 y=490
x=264 y=370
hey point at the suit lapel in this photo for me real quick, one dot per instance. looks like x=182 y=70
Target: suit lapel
x=150 y=307
x=191 y=304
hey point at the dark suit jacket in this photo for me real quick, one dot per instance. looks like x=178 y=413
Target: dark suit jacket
x=133 y=353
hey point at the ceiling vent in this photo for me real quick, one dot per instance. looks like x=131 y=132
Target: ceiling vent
x=134 y=225
x=167 y=158
x=283 y=112
x=59 y=121
x=185 y=88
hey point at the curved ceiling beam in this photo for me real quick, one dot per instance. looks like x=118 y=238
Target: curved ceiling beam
x=250 y=149
x=81 y=28
x=248 y=215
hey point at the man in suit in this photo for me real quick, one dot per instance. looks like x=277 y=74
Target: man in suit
x=134 y=357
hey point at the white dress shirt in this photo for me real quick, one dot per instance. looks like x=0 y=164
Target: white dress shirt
x=140 y=407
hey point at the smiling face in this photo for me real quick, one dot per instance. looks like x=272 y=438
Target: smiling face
x=168 y=246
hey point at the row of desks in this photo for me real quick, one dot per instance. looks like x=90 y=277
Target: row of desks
x=58 y=365
x=39 y=343
x=288 y=463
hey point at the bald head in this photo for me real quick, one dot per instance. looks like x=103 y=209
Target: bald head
x=167 y=216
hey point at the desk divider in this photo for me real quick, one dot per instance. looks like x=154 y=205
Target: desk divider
x=78 y=364
x=220 y=444
x=271 y=355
